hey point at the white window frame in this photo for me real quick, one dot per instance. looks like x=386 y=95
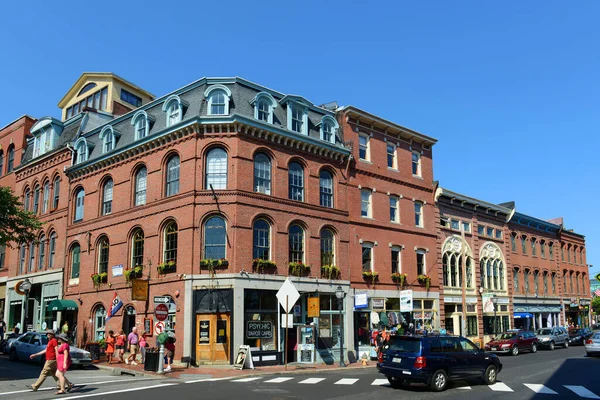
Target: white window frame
x=79 y=208
x=328 y=120
x=393 y=154
x=107 y=196
x=398 y=261
x=82 y=149
x=418 y=163
x=136 y=121
x=366 y=146
x=141 y=187
x=211 y=92
x=395 y=205
x=216 y=169
x=174 y=107
x=419 y=213
x=303 y=113
x=422 y=252
x=370 y=246
x=368 y=201
x=267 y=178
x=271 y=104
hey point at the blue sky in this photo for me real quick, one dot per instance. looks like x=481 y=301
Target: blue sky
x=510 y=89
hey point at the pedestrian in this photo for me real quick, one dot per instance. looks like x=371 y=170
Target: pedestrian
x=65 y=329
x=143 y=344
x=120 y=344
x=110 y=346
x=2 y=332
x=49 y=368
x=133 y=340
x=63 y=362
x=169 y=353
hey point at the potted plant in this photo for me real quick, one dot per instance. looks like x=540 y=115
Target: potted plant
x=399 y=278
x=166 y=267
x=264 y=266
x=330 y=272
x=100 y=278
x=370 y=276
x=298 y=268
x=133 y=273
x=212 y=263
x=424 y=279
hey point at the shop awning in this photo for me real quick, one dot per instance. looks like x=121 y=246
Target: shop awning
x=523 y=315
x=62 y=305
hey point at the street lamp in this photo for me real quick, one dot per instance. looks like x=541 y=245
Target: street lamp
x=495 y=301
x=25 y=287
x=340 y=294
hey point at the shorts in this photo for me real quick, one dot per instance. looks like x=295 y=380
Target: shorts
x=133 y=349
x=120 y=347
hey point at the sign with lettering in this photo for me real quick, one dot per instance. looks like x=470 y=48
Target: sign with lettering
x=117 y=270
x=204 y=337
x=139 y=290
x=161 y=312
x=162 y=299
x=243 y=358
x=406 y=300
x=259 y=330
x=314 y=307
x=377 y=303
x=361 y=300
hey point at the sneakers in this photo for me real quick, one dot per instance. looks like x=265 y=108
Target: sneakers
x=134 y=363
x=168 y=369
x=127 y=361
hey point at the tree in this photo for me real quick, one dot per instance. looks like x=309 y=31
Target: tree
x=596 y=305
x=16 y=225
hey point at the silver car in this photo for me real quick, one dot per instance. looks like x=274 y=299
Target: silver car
x=551 y=337
x=592 y=345
x=33 y=342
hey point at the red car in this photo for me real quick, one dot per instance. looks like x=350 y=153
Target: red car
x=513 y=342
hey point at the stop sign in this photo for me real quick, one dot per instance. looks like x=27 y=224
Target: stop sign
x=161 y=312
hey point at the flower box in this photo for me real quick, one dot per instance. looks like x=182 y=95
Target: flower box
x=264 y=266
x=212 y=264
x=330 y=272
x=100 y=278
x=424 y=280
x=166 y=267
x=134 y=273
x=399 y=278
x=370 y=276
x=298 y=269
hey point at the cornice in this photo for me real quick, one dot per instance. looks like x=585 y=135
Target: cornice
x=392 y=180
x=43 y=164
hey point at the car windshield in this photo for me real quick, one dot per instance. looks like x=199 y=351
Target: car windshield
x=505 y=336
x=596 y=336
x=544 y=331
x=578 y=331
x=407 y=345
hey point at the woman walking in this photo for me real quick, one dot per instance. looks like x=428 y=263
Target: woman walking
x=143 y=344
x=110 y=346
x=120 y=344
x=63 y=362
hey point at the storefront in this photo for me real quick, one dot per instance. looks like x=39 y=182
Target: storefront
x=532 y=317
x=453 y=316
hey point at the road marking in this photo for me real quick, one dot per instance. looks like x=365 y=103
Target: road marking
x=380 y=382
x=117 y=391
x=500 y=387
x=247 y=379
x=540 y=389
x=278 y=380
x=582 y=392
x=210 y=379
x=464 y=387
x=77 y=385
x=312 y=381
x=346 y=381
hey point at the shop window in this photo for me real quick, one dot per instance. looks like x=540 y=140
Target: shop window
x=329 y=321
x=171 y=320
x=99 y=323
x=261 y=306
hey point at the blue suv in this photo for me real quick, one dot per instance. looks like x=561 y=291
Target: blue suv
x=435 y=360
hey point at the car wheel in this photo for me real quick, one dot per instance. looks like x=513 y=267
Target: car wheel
x=534 y=348
x=566 y=345
x=551 y=346
x=515 y=350
x=439 y=380
x=12 y=356
x=491 y=374
x=395 y=382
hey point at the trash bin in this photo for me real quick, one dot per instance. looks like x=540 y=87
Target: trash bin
x=151 y=362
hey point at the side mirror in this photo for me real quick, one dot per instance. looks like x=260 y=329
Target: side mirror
x=521 y=338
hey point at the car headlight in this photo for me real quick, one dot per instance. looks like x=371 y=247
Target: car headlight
x=506 y=345
x=545 y=339
x=87 y=354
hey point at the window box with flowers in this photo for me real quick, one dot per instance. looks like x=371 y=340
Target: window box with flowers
x=298 y=269
x=399 y=278
x=134 y=273
x=166 y=267
x=330 y=272
x=264 y=266
x=212 y=264
x=100 y=278
x=424 y=280
x=370 y=276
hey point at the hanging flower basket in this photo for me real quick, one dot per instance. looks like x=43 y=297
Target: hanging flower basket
x=99 y=279
x=166 y=267
x=264 y=266
x=298 y=269
x=211 y=264
x=370 y=276
x=330 y=272
x=424 y=280
x=399 y=278
x=134 y=273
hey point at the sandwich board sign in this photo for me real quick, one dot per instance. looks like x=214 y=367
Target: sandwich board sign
x=243 y=358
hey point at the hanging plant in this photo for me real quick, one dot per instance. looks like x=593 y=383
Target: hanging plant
x=211 y=264
x=100 y=278
x=399 y=278
x=166 y=267
x=264 y=266
x=330 y=272
x=298 y=268
x=133 y=273
x=424 y=279
x=370 y=276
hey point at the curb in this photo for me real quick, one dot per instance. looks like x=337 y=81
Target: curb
x=117 y=371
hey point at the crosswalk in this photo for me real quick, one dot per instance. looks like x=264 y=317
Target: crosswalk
x=537 y=388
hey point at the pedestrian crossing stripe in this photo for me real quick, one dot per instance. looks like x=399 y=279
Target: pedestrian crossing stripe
x=380 y=382
x=278 y=380
x=312 y=381
x=248 y=379
x=500 y=387
x=582 y=392
x=346 y=381
x=540 y=389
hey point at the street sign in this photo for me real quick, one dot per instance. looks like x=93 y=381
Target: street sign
x=161 y=300
x=287 y=295
x=161 y=312
x=159 y=327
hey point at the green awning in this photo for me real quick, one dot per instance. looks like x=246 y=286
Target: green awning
x=62 y=305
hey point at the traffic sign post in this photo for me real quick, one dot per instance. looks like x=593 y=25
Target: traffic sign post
x=161 y=312
x=288 y=296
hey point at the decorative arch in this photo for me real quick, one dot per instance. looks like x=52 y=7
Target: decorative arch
x=219 y=97
x=82 y=149
x=329 y=128
x=453 y=251
x=261 y=112
x=492 y=267
x=109 y=136
x=174 y=107
x=142 y=123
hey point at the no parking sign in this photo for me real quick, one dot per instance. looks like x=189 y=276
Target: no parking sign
x=159 y=327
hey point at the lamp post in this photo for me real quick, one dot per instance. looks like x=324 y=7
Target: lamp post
x=495 y=301
x=340 y=294
x=25 y=287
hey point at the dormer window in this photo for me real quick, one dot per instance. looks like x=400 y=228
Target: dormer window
x=82 y=150
x=174 y=108
x=329 y=128
x=264 y=104
x=218 y=99
x=109 y=138
x=141 y=122
x=45 y=132
x=297 y=113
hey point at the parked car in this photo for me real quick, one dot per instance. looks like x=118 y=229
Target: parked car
x=596 y=328
x=592 y=345
x=435 y=360
x=34 y=342
x=513 y=342
x=551 y=337
x=580 y=335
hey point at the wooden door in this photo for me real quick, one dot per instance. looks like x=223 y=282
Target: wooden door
x=212 y=337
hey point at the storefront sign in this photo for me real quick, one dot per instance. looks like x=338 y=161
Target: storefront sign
x=361 y=300
x=259 y=330
x=378 y=304
x=204 y=332
x=243 y=358
x=117 y=270
x=584 y=302
x=488 y=304
x=139 y=290
x=406 y=300
x=314 y=307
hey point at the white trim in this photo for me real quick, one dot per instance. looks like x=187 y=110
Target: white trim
x=208 y=93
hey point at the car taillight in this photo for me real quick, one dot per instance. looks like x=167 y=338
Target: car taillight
x=420 y=362
x=380 y=356
x=589 y=341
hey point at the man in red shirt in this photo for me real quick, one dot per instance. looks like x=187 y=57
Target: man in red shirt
x=50 y=364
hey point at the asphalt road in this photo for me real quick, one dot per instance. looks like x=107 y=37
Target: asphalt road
x=558 y=374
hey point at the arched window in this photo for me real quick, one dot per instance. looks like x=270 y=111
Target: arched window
x=296 y=244
x=46 y=199
x=513 y=241
x=170 y=242
x=31 y=265
x=536 y=283
x=173 y=112
x=218 y=99
x=553 y=279
x=216 y=169
x=27 y=199
x=107 y=197
x=99 y=323
x=524 y=244
x=262 y=174
x=327 y=247
x=137 y=248
x=86 y=88
x=215 y=238
x=55 y=192
x=36 y=199
x=103 y=252
x=296 y=181
x=75 y=261
x=42 y=253
x=516 y=280
x=52 y=249
x=141 y=177
x=264 y=104
x=172 y=183
x=492 y=267
x=141 y=128
x=545 y=277
x=533 y=247
x=452 y=262
x=526 y=280
x=1 y=162
x=326 y=189
x=262 y=240
x=262 y=110
x=329 y=127
x=22 y=254
x=79 y=200
x=107 y=135
x=11 y=159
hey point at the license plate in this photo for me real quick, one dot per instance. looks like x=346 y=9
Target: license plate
x=494 y=348
x=397 y=360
